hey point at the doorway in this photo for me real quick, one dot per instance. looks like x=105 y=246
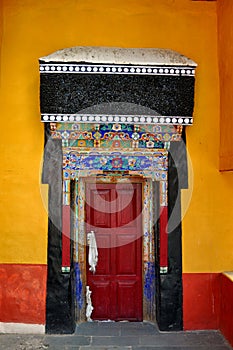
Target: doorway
x=113 y=212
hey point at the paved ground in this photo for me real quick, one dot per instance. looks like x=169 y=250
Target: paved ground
x=119 y=335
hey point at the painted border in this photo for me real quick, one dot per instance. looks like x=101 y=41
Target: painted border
x=111 y=118
x=77 y=163
x=148 y=246
x=69 y=68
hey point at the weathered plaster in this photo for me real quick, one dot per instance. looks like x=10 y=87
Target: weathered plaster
x=116 y=55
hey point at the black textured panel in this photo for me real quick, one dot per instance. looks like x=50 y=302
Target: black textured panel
x=169 y=298
x=178 y=153
x=59 y=306
x=73 y=93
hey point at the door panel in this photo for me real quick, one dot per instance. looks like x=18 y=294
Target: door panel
x=126 y=263
x=100 y=202
x=104 y=255
x=113 y=212
x=126 y=211
x=101 y=298
x=127 y=299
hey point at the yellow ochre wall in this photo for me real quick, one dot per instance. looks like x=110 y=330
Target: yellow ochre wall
x=31 y=29
x=225 y=49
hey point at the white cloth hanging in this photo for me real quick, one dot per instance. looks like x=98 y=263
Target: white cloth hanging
x=93 y=251
x=89 y=307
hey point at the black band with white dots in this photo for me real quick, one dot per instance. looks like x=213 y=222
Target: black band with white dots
x=137 y=119
x=116 y=69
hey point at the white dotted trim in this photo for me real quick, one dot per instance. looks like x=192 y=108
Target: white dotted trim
x=130 y=119
x=110 y=69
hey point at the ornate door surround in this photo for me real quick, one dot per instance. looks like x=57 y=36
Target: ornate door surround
x=90 y=133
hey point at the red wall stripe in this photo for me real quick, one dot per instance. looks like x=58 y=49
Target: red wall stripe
x=226 y=310
x=65 y=236
x=201 y=300
x=23 y=293
x=163 y=237
x=208 y=303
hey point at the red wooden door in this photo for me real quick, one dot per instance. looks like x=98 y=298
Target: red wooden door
x=113 y=212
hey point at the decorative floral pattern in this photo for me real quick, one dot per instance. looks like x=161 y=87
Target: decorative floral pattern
x=135 y=136
x=116 y=127
x=117 y=163
x=115 y=135
x=154 y=162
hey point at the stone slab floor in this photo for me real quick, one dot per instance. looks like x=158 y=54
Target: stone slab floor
x=117 y=335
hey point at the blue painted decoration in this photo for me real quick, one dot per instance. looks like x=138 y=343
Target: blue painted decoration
x=78 y=285
x=149 y=281
x=74 y=161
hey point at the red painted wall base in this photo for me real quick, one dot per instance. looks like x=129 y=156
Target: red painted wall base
x=207 y=298
x=201 y=300
x=23 y=293
x=226 y=310
x=208 y=303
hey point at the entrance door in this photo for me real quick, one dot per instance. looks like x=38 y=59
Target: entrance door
x=113 y=212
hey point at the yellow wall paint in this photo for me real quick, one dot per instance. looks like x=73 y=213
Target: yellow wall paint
x=225 y=50
x=32 y=29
